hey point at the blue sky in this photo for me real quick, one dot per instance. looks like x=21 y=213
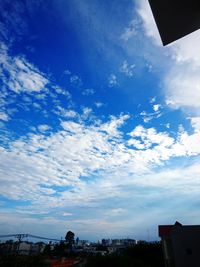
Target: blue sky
x=100 y=124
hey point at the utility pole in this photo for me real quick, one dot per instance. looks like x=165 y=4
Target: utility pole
x=20 y=237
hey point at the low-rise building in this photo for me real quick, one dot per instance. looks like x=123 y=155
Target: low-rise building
x=181 y=245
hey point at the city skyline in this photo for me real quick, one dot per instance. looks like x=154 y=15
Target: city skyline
x=99 y=123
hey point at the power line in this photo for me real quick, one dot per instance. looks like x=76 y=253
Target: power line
x=21 y=236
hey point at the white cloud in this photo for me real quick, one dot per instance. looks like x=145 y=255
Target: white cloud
x=115 y=212
x=150 y=137
x=182 y=86
x=20 y=78
x=112 y=80
x=147 y=117
x=130 y=31
x=4 y=116
x=84 y=165
x=127 y=69
x=98 y=104
x=195 y=122
x=153 y=100
x=187 y=50
x=111 y=127
x=86 y=112
x=43 y=127
x=37 y=106
x=71 y=114
x=19 y=75
x=59 y=160
x=67 y=72
x=76 y=80
x=67 y=214
x=61 y=91
x=88 y=91
x=150 y=27
x=181 y=82
x=33 y=167
x=79 y=150
x=156 y=107
x=68 y=113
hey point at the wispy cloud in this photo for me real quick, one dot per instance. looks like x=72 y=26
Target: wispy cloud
x=4 y=116
x=13 y=24
x=127 y=69
x=22 y=80
x=98 y=104
x=182 y=85
x=147 y=117
x=18 y=75
x=150 y=27
x=43 y=127
x=76 y=80
x=129 y=31
x=112 y=80
x=68 y=113
x=78 y=150
x=67 y=214
x=195 y=121
x=181 y=80
x=88 y=91
x=69 y=163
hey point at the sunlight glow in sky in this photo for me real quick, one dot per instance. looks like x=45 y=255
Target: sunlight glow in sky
x=99 y=123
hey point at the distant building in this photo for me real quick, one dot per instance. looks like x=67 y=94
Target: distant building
x=123 y=242
x=106 y=242
x=83 y=243
x=116 y=242
x=181 y=245
x=22 y=248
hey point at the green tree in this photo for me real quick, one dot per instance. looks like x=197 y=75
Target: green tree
x=70 y=238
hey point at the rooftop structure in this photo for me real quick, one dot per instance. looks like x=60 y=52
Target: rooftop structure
x=175 y=18
x=180 y=245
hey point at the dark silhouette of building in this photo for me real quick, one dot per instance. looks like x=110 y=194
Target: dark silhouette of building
x=181 y=245
x=175 y=18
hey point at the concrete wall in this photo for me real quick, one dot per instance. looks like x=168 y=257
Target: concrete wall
x=186 y=246
x=182 y=247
